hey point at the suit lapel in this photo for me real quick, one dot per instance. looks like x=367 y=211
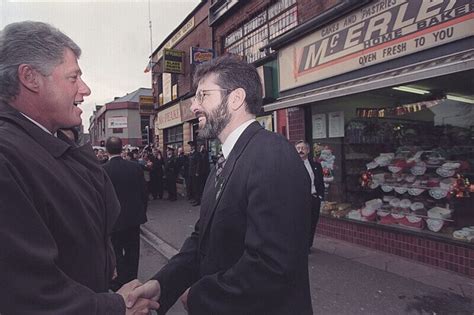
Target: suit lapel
x=212 y=195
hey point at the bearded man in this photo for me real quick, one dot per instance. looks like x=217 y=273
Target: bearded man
x=248 y=252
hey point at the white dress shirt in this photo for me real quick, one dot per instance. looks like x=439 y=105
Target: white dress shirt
x=311 y=174
x=233 y=137
x=37 y=123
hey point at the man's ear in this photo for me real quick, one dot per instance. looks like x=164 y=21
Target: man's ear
x=237 y=98
x=28 y=77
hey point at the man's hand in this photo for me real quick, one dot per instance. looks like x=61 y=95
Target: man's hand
x=151 y=290
x=184 y=299
x=140 y=298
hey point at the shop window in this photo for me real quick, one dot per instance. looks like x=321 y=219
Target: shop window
x=406 y=165
x=173 y=136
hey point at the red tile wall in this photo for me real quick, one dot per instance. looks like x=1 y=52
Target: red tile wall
x=296 y=126
x=450 y=256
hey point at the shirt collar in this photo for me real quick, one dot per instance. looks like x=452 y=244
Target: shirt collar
x=233 y=137
x=36 y=123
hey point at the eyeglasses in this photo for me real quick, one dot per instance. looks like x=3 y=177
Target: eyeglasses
x=199 y=97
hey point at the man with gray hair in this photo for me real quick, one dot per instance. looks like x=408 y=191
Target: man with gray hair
x=57 y=204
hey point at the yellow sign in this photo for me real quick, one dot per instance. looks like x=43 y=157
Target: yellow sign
x=173 y=61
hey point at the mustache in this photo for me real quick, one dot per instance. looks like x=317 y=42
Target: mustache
x=199 y=113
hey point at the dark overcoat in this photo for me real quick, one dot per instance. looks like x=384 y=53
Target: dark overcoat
x=248 y=253
x=57 y=209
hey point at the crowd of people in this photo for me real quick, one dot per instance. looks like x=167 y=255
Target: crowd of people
x=164 y=173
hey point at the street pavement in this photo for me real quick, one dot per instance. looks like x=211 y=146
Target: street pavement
x=344 y=278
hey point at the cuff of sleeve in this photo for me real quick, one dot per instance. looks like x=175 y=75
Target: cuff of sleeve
x=110 y=304
x=192 y=300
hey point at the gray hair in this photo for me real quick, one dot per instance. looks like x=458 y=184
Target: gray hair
x=37 y=44
x=302 y=142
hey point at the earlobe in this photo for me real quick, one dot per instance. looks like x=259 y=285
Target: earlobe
x=28 y=77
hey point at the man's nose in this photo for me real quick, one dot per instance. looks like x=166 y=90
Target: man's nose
x=194 y=106
x=84 y=88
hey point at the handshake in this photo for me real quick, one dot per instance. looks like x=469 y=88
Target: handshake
x=140 y=298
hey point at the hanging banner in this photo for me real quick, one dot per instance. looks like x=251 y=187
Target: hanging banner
x=380 y=31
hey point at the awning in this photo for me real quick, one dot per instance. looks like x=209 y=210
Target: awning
x=458 y=62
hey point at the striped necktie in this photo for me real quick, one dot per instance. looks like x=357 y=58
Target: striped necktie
x=220 y=166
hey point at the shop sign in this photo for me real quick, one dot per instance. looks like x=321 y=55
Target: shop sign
x=199 y=55
x=183 y=31
x=186 y=113
x=146 y=103
x=173 y=61
x=117 y=122
x=169 y=117
x=381 y=31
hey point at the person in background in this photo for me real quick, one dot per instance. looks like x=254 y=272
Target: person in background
x=248 y=253
x=171 y=172
x=156 y=175
x=71 y=133
x=58 y=205
x=129 y=185
x=147 y=165
x=315 y=172
x=182 y=163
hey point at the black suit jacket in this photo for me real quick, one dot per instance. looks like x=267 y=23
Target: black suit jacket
x=318 y=178
x=129 y=184
x=248 y=253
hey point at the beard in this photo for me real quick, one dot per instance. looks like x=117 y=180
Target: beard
x=216 y=121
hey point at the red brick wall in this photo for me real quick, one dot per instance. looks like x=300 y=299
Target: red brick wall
x=236 y=18
x=308 y=9
x=200 y=36
x=296 y=125
x=433 y=252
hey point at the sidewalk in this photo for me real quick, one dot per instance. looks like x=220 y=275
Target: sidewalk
x=345 y=278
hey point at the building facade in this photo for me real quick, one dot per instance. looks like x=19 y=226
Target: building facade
x=383 y=91
x=173 y=64
x=129 y=117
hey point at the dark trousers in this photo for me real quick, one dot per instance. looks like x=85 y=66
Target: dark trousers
x=315 y=209
x=189 y=187
x=196 y=188
x=156 y=187
x=127 y=252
